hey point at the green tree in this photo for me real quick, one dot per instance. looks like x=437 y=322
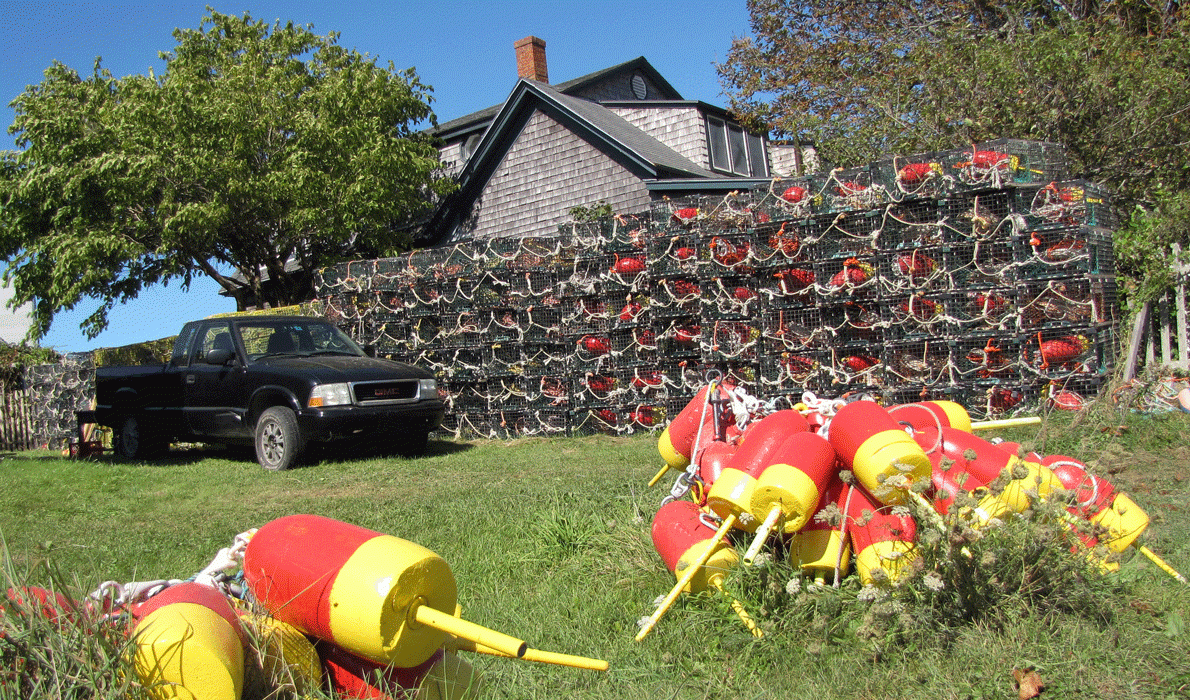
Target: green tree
x=864 y=78
x=267 y=151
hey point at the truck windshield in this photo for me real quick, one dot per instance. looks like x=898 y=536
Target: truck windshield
x=303 y=338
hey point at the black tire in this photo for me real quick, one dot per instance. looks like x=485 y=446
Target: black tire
x=414 y=444
x=279 y=440
x=134 y=440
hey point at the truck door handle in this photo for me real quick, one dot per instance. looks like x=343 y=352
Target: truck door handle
x=189 y=378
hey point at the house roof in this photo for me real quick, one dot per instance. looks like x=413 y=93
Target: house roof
x=477 y=121
x=641 y=154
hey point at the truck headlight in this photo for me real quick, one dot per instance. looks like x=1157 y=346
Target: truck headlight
x=427 y=389
x=329 y=395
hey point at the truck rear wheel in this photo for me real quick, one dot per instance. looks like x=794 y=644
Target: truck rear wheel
x=279 y=441
x=134 y=440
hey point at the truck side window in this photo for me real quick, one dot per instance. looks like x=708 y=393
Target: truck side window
x=181 y=353
x=216 y=336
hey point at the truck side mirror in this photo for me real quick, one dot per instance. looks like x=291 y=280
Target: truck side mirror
x=219 y=357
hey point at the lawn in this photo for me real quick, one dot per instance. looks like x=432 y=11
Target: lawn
x=549 y=541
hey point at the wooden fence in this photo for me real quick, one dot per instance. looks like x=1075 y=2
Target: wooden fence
x=1160 y=337
x=16 y=419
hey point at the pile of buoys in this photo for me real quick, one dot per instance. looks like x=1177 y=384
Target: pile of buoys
x=760 y=474
x=323 y=603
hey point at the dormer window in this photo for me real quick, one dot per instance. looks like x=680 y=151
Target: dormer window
x=734 y=150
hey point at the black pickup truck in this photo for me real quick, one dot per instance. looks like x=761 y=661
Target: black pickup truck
x=279 y=383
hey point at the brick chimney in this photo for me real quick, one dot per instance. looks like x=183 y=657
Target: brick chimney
x=530 y=59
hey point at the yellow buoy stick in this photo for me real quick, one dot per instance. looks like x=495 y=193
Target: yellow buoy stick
x=654 y=480
x=545 y=657
x=687 y=576
x=479 y=634
x=1004 y=423
x=762 y=534
x=738 y=607
x=1161 y=563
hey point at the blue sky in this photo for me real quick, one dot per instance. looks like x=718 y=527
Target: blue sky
x=464 y=49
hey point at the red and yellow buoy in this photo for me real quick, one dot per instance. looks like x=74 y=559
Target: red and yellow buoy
x=881 y=539
x=788 y=490
x=871 y=443
x=681 y=538
x=189 y=643
x=378 y=597
x=822 y=549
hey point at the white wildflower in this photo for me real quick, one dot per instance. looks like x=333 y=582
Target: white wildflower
x=794 y=586
x=933 y=581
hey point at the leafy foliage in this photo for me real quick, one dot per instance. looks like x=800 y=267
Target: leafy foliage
x=257 y=147
x=862 y=78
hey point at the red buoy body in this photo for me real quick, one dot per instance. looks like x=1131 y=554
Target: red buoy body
x=713 y=459
x=676 y=443
x=350 y=586
x=801 y=467
x=680 y=537
x=883 y=456
x=821 y=546
x=880 y=538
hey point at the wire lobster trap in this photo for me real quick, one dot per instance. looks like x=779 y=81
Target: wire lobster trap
x=840 y=278
x=851 y=322
x=913 y=177
x=1061 y=352
x=676 y=296
x=468 y=329
x=637 y=416
x=464 y=364
x=913 y=316
x=678 y=337
x=542 y=324
x=853 y=189
x=503 y=358
x=642 y=382
x=982 y=216
x=550 y=391
x=547 y=422
x=792 y=329
x=908 y=271
x=1064 y=251
x=983 y=357
x=795 y=198
x=634 y=345
x=792 y=372
x=910 y=224
x=995 y=308
x=1002 y=163
x=674 y=254
x=593 y=349
x=981 y=264
x=923 y=362
x=997 y=400
x=727 y=254
x=546 y=358
x=628 y=309
x=730 y=297
x=788 y=286
x=596 y=388
x=532 y=287
x=585 y=315
x=390 y=338
x=503 y=325
x=1064 y=303
x=786 y=243
x=596 y=420
x=1072 y=203
x=425 y=332
x=854 y=366
x=730 y=340
x=625 y=272
x=849 y=234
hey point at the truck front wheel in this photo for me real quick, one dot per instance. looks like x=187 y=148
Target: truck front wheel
x=279 y=441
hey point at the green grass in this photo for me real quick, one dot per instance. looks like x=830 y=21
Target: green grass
x=549 y=541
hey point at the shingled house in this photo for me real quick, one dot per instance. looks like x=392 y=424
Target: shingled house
x=622 y=135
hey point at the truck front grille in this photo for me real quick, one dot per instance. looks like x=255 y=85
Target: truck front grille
x=385 y=392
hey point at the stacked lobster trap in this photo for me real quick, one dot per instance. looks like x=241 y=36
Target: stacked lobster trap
x=981 y=275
